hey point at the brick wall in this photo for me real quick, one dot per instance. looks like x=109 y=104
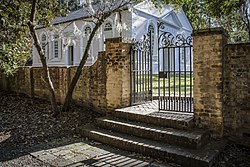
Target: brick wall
x=104 y=85
x=208 y=55
x=236 y=92
x=221 y=84
x=118 y=74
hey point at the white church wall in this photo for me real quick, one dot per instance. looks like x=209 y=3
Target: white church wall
x=135 y=24
x=127 y=22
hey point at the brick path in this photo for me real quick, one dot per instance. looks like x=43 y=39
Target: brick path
x=84 y=153
x=151 y=109
x=145 y=108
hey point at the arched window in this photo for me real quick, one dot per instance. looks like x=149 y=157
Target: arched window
x=108 y=27
x=87 y=30
x=107 y=30
x=55 y=46
x=151 y=31
x=44 y=43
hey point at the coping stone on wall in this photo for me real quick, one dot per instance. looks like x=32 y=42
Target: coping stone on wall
x=210 y=31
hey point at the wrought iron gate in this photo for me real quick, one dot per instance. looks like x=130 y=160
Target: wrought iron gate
x=175 y=79
x=141 y=71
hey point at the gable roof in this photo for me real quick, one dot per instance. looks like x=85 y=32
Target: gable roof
x=149 y=8
x=172 y=19
x=76 y=15
x=82 y=13
x=166 y=14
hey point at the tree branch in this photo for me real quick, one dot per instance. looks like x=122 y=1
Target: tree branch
x=43 y=59
x=101 y=18
x=33 y=11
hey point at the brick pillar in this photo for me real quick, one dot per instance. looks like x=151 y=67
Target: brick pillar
x=118 y=73
x=208 y=87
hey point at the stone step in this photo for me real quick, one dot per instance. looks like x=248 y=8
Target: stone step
x=192 y=138
x=204 y=157
x=165 y=119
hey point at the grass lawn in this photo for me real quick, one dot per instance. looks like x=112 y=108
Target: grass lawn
x=173 y=84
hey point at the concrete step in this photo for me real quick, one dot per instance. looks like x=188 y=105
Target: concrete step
x=204 y=157
x=192 y=138
x=165 y=119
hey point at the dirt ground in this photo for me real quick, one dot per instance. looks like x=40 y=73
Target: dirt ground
x=26 y=122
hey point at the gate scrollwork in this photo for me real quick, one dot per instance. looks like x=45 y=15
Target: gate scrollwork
x=167 y=39
x=144 y=44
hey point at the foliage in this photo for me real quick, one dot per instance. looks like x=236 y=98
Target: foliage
x=233 y=15
x=197 y=13
x=98 y=17
x=13 y=55
x=15 y=42
x=15 y=45
x=16 y=15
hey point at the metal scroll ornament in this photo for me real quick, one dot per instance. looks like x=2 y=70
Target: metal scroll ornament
x=166 y=39
x=144 y=44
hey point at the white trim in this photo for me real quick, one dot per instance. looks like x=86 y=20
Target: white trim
x=184 y=28
x=85 y=38
x=55 y=60
x=46 y=51
x=84 y=26
x=170 y=24
x=109 y=20
x=136 y=9
x=172 y=13
x=184 y=14
x=52 y=46
x=152 y=22
x=74 y=54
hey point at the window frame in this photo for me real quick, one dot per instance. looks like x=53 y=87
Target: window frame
x=151 y=29
x=56 y=46
x=109 y=27
x=44 y=43
x=87 y=30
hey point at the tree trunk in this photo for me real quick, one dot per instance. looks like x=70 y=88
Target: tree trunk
x=43 y=60
x=249 y=35
x=77 y=75
x=101 y=19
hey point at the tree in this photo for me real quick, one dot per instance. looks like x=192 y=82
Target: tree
x=14 y=39
x=233 y=15
x=41 y=53
x=17 y=20
x=197 y=13
x=244 y=13
x=108 y=8
x=42 y=13
x=98 y=17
